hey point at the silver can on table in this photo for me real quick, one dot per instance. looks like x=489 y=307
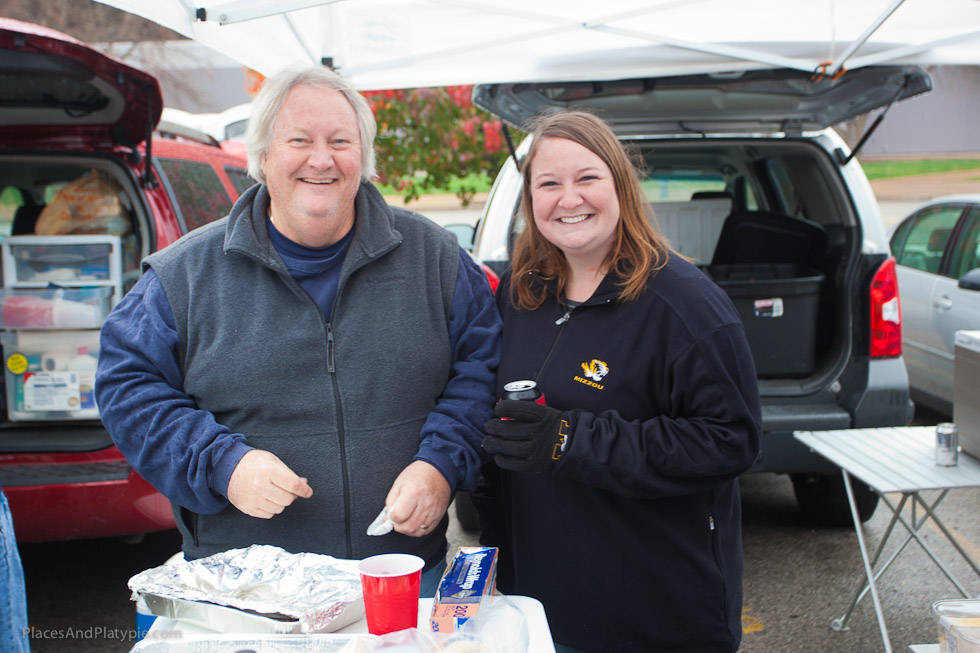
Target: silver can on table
x=947 y=444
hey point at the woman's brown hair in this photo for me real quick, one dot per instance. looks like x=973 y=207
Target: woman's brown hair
x=638 y=251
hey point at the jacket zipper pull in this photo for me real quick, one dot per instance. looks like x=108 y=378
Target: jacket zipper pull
x=330 y=360
x=564 y=318
x=711 y=522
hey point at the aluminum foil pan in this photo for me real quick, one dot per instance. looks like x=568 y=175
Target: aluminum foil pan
x=259 y=589
x=257 y=644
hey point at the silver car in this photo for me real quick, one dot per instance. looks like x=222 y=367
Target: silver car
x=937 y=249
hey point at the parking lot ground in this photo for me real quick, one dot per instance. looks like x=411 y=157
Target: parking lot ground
x=899 y=196
x=798 y=578
x=920 y=188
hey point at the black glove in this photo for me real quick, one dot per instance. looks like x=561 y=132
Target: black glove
x=529 y=438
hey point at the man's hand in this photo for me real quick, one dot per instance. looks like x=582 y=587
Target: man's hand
x=418 y=499
x=262 y=485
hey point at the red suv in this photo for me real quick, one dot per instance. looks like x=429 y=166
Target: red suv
x=89 y=185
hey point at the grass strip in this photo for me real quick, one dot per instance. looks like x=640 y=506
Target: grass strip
x=887 y=169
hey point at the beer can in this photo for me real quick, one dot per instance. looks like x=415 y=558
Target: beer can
x=947 y=444
x=523 y=390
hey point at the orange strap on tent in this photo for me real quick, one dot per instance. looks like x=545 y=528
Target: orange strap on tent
x=821 y=72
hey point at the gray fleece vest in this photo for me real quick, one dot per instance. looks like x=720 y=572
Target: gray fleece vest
x=342 y=404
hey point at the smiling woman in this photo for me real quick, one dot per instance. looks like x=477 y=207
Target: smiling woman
x=652 y=411
x=573 y=195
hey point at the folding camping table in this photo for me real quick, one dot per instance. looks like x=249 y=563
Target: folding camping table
x=894 y=460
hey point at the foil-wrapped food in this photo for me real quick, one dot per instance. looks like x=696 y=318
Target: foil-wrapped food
x=267 y=588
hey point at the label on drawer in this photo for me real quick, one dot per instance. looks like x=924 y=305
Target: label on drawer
x=52 y=391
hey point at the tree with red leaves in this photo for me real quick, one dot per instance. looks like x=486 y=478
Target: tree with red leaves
x=430 y=137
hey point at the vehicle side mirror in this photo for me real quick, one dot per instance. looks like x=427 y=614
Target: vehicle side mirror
x=464 y=234
x=970 y=280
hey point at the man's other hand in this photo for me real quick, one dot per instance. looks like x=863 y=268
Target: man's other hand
x=262 y=485
x=418 y=499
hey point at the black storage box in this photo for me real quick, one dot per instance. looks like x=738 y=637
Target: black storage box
x=753 y=237
x=778 y=305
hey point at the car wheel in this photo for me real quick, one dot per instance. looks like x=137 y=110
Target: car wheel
x=822 y=499
x=466 y=513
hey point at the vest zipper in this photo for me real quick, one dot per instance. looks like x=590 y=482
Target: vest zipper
x=331 y=366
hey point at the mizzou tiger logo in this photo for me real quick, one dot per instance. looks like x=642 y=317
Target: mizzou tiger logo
x=595 y=369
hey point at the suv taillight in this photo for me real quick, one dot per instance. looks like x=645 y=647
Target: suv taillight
x=886 y=313
x=491 y=277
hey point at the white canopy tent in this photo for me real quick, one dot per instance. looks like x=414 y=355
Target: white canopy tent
x=383 y=44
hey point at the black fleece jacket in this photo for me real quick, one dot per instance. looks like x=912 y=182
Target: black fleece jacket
x=633 y=543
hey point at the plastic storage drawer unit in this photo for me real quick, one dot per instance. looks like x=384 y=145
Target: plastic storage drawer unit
x=778 y=305
x=70 y=260
x=50 y=375
x=54 y=308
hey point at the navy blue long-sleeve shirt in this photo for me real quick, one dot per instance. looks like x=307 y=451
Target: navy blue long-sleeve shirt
x=144 y=316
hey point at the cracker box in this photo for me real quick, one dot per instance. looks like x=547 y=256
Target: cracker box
x=467 y=585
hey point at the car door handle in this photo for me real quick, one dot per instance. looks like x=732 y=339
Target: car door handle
x=944 y=303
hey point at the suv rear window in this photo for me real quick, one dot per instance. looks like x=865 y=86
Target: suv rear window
x=239 y=179
x=670 y=188
x=197 y=191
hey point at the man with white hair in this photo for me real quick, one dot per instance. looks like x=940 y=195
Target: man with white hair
x=286 y=372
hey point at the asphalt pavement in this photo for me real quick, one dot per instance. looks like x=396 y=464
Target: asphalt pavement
x=899 y=196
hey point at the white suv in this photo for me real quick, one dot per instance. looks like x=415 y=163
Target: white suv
x=745 y=177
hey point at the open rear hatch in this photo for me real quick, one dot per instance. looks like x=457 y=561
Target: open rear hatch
x=758 y=101
x=55 y=89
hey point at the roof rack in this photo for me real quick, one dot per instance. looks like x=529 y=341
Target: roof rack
x=168 y=129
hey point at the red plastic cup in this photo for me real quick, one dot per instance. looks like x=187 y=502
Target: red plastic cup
x=390 y=583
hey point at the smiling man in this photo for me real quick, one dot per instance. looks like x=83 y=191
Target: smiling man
x=312 y=166
x=286 y=372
